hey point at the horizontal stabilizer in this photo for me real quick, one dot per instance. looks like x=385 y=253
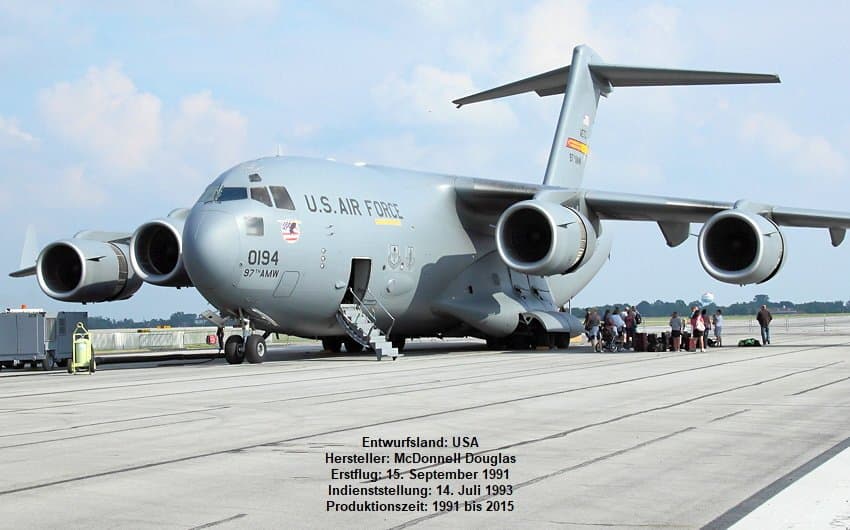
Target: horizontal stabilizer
x=637 y=76
x=555 y=81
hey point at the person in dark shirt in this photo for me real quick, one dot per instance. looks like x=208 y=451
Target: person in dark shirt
x=219 y=333
x=764 y=317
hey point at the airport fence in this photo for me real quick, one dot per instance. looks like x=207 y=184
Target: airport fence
x=836 y=325
x=121 y=340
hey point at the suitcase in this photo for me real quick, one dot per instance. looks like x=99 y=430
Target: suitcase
x=665 y=341
x=651 y=341
x=692 y=344
x=641 y=342
x=686 y=341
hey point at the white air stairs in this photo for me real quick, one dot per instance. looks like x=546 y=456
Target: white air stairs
x=359 y=322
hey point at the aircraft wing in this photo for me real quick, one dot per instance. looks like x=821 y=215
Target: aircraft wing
x=669 y=212
x=672 y=214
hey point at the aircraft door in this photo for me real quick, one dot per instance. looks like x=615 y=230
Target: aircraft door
x=358 y=280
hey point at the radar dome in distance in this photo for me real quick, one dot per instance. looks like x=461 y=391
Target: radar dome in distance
x=707 y=298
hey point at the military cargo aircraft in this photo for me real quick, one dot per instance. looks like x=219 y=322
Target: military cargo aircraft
x=367 y=256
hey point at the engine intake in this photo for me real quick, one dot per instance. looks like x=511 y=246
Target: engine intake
x=543 y=238
x=85 y=270
x=740 y=247
x=156 y=251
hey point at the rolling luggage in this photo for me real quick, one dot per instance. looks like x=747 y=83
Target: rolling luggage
x=651 y=341
x=641 y=342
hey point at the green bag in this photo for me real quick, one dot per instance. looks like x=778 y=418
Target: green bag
x=748 y=342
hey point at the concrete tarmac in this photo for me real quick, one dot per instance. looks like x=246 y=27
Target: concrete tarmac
x=548 y=439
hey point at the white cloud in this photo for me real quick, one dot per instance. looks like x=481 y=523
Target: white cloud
x=426 y=96
x=122 y=130
x=71 y=188
x=204 y=127
x=550 y=30
x=806 y=155
x=106 y=116
x=11 y=133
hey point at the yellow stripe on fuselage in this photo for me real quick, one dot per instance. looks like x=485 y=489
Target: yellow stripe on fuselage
x=581 y=147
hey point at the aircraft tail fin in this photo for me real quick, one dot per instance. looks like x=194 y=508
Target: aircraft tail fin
x=582 y=82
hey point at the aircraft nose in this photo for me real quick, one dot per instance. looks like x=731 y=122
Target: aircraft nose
x=211 y=246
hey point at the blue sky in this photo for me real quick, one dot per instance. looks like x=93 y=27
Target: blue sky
x=114 y=115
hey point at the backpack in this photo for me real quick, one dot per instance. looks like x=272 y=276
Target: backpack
x=638 y=318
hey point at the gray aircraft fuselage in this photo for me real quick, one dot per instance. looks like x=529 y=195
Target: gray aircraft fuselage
x=290 y=272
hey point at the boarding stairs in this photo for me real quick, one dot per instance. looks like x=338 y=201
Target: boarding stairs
x=361 y=323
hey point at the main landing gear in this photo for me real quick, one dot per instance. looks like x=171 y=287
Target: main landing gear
x=248 y=347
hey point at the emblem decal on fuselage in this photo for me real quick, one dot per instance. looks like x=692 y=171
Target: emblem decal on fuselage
x=290 y=230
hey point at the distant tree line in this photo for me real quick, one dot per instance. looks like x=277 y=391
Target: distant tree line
x=176 y=320
x=657 y=308
x=660 y=308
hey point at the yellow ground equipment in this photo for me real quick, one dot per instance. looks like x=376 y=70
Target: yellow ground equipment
x=83 y=355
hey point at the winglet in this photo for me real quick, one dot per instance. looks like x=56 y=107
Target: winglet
x=30 y=251
x=29 y=255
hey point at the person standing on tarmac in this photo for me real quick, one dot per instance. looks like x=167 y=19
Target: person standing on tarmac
x=706 y=320
x=676 y=330
x=698 y=328
x=219 y=333
x=764 y=317
x=718 y=327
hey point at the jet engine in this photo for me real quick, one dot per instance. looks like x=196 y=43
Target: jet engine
x=740 y=247
x=543 y=238
x=86 y=270
x=156 y=251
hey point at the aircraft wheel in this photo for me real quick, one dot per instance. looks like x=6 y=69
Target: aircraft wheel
x=255 y=349
x=48 y=362
x=233 y=352
x=332 y=344
x=352 y=346
x=399 y=344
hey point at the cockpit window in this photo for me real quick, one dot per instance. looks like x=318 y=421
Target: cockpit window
x=209 y=194
x=281 y=198
x=261 y=194
x=231 y=194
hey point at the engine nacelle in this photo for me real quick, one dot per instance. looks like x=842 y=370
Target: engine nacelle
x=156 y=251
x=86 y=270
x=740 y=247
x=543 y=238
